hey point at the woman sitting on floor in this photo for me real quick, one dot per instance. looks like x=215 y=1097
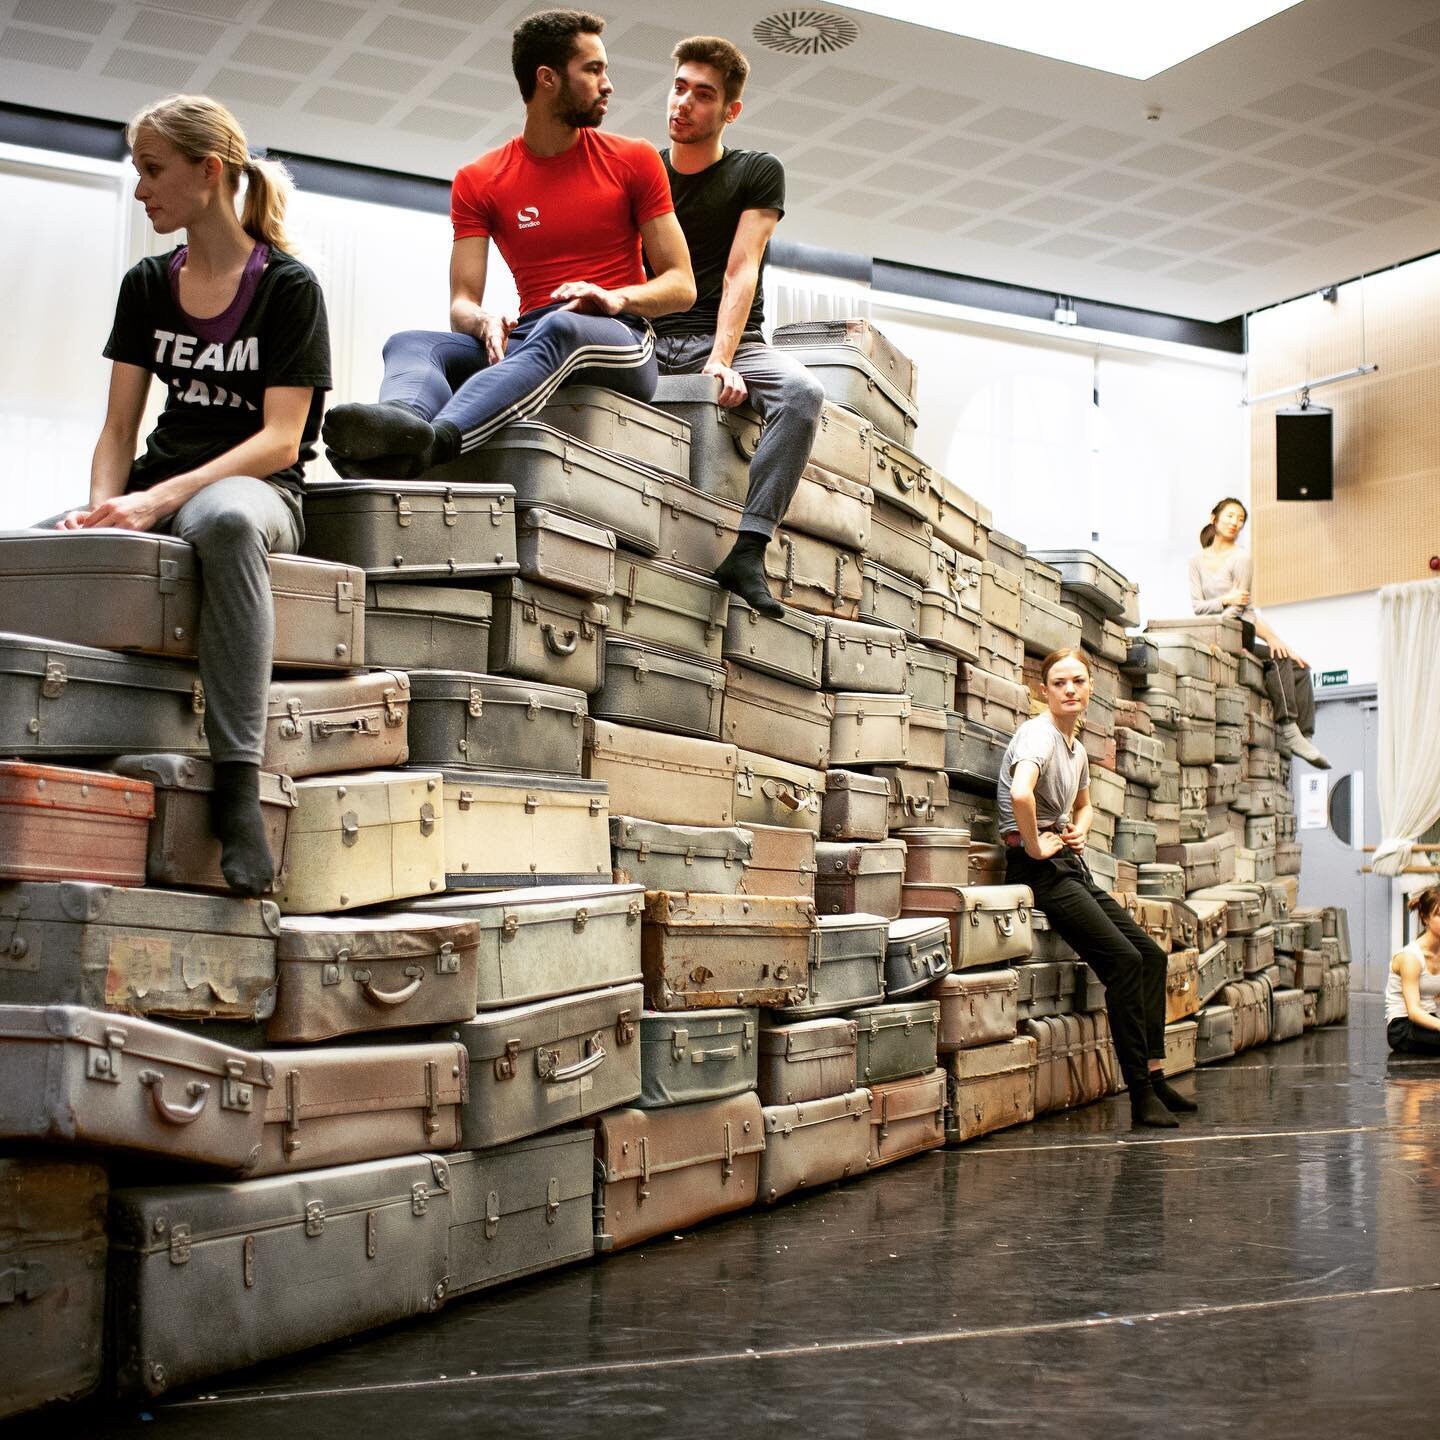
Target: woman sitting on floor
x=1412 y=1025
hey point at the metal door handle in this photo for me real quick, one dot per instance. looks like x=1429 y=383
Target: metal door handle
x=393 y=997
x=559 y=647
x=198 y=1091
x=553 y=1073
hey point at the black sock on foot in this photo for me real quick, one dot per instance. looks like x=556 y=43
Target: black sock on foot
x=742 y=572
x=1170 y=1097
x=1148 y=1110
x=387 y=428
x=235 y=817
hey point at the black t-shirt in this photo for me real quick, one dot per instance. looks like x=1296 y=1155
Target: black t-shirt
x=216 y=391
x=708 y=207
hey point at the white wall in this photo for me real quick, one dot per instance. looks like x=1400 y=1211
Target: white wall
x=1339 y=633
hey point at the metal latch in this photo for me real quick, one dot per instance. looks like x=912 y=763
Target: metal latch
x=552 y=1200
x=447 y=962
x=447 y=508
x=727 y=1169
x=679 y=1039
x=432 y=1097
x=197 y=698
x=290 y=726
x=419 y=1198
x=509 y=926
x=532 y=802
x=372 y=1233
x=315 y=1217
x=30 y=1282
x=427 y=818
x=54 y=681
x=582 y=919
x=475 y=705
x=507 y=1064
x=403 y=512
x=747 y=1034
x=492 y=1214
x=179 y=1244
x=624 y=1028
x=105 y=1064
x=237 y=1093
x=497 y=513
x=596 y=805
x=169 y=577
x=247 y=1262
x=393 y=714
x=643 y=1192
x=466 y=799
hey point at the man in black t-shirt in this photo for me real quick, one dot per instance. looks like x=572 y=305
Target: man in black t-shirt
x=728 y=203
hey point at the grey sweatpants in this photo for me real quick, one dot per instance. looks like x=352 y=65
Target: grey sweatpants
x=786 y=397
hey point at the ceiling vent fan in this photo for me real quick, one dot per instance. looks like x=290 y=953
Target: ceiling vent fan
x=806 y=32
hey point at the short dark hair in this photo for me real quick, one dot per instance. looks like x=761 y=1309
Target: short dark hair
x=720 y=55
x=547 y=38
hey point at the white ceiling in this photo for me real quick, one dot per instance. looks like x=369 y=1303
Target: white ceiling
x=1302 y=151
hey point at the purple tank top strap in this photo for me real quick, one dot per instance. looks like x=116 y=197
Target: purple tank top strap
x=221 y=328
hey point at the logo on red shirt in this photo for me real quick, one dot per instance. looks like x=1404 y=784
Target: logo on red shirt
x=528 y=216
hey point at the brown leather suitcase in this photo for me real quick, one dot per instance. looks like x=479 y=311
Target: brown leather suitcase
x=782 y=861
x=1182 y=985
x=674 y=779
x=936 y=856
x=776 y=717
x=805 y=1060
x=659 y=1171
x=832 y=508
x=59 y=823
x=855 y=806
x=907 y=1117
x=976 y=1008
x=775 y=792
x=814 y=1142
x=1054 y=1066
x=345 y=722
x=852 y=877
x=989 y=1089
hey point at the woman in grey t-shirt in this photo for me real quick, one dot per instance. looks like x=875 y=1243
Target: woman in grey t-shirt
x=1220 y=575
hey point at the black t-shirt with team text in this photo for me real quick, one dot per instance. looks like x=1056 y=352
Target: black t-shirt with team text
x=215 y=392
x=708 y=207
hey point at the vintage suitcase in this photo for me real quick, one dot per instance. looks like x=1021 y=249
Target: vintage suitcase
x=1180 y=1047
x=64 y=700
x=553 y=636
x=1229 y=743
x=344 y=1104
x=1223 y=632
x=1046 y=942
x=60 y=823
x=1245 y=907
x=896 y=367
x=364 y=839
x=342 y=723
x=1232 y=707
x=1311 y=1010
x=775 y=792
x=842 y=444
x=851 y=379
x=182 y=850
x=830 y=507
x=988 y=700
x=1056 y=1068
x=493 y=722
x=852 y=877
x=1138 y=757
x=979 y=1007
x=889 y=599
x=895 y=1040
x=900 y=541
x=1182 y=986
x=976 y=813
x=569 y=554
x=360 y=974
x=917 y=797
x=1215 y=969
x=614 y=423
x=659 y=1171
x=814 y=1142
x=790 y=648
x=1001 y=653
x=973 y=752
x=663 y=605
x=870 y=729
x=547 y=940
x=776 y=717
x=1309 y=965
x=1223 y=783
x=700 y=952
x=917 y=952
x=854 y=806
x=52 y=1270
x=658 y=689
x=1195 y=741
x=520 y=1208
x=1135 y=841
x=1000 y=597
x=1254 y=866
x=550 y=469
x=1214 y=1034
x=142 y=592
x=1196 y=698
x=865 y=658
x=212 y=1277
x=74 y=1075
x=697 y=531
x=847 y=965
x=958 y=518
x=1098 y=584
x=426 y=627
x=421 y=529
x=1250 y=999
x=138 y=952
x=1046 y=625
x=805 y=1060
x=947 y=625
x=989 y=924
x=782 y=861
x=697 y=1055
x=907 y=1117
x=1109 y=792
x=1287 y=858
x=1134 y=715
x=989 y=1089
x=1287 y=1014
x=673 y=779
x=899 y=478
x=935 y=856
x=548 y=1063
x=722 y=441
x=814 y=574
x=987 y=862
x=679 y=857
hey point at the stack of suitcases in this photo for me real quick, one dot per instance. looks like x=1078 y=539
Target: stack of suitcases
x=604 y=905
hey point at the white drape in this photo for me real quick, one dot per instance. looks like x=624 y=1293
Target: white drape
x=1409 y=694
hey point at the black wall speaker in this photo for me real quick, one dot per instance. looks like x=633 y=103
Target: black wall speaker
x=1304 y=453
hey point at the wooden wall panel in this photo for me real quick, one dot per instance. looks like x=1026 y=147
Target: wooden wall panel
x=1384 y=523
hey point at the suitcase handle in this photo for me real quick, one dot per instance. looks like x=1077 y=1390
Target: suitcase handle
x=559 y=647
x=782 y=794
x=198 y=1091
x=547 y=1062
x=393 y=997
x=361 y=725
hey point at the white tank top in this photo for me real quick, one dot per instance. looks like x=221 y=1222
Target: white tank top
x=1429 y=989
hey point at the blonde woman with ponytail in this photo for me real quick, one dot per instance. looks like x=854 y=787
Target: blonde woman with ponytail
x=234 y=328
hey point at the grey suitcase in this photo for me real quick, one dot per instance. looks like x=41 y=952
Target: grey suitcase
x=722 y=441
x=679 y=857
x=851 y=379
x=139 y=952
x=899 y=478
x=73 y=1075
x=900 y=541
x=1135 y=841
x=1100 y=585
x=773 y=716
x=847 y=965
x=973 y=752
x=1046 y=625
x=1214 y=1034
x=426 y=627
x=1287 y=1014
x=697 y=531
x=990 y=700
x=917 y=952
x=422 y=529
x=842 y=443
x=870 y=729
x=931 y=676
x=1216 y=969
x=815 y=1142
x=862 y=657
x=673 y=779
x=791 y=648
x=661 y=604
x=782 y=861
x=490 y=722
x=862 y=336
x=52 y=1268
x=570 y=554
x=774 y=792
x=948 y=624
x=554 y=471
x=813 y=574
x=606 y=420
x=547 y=635
x=895 y=1040
x=645 y=685
x=697 y=1055
x=855 y=806
x=59 y=699
x=343 y=722
x=977 y=1008
x=851 y=877
x=212 y=1277
x=804 y=1060
x=889 y=599
x=1000 y=597
x=534 y=1067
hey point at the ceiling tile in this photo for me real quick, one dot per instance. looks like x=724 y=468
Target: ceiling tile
x=1374 y=69
x=1073 y=247
x=958 y=152
x=935 y=218
x=1241 y=176
x=1377 y=210
x=1375 y=122
x=984 y=194
x=830 y=163
x=1109 y=185
x=405 y=36
x=1031 y=169
x=279 y=52
x=164 y=72
x=855 y=201
x=1314 y=231
x=929 y=107
x=1426 y=93
x=1005 y=232
x=1124 y=225
x=443 y=124
x=796 y=118
x=638 y=41
x=1168 y=160
x=1305 y=151
x=1091 y=142
x=1232 y=132
x=227 y=10
x=1251 y=215
x=877 y=135
x=1258 y=252
x=1425 y=187
x=173 y=32
x=247 y=87
x=1139 y=259
x=1011 y=123
x=1054 y=210
x=837 y=84
x=1379 y=167
x=1204 y=272
x=347 y=104
x=470 y=12
x=1179 y=200
x=379 y=72
x=906 y=179
x=463 y=89
x=631 y=82
x=1311 y=193
x=800 y=191
x=1427 y=37
x=1301 y=102
x=35 y=47
x=1194 y=239
x=86 y=17
x=321 y=18
x=1427 y=142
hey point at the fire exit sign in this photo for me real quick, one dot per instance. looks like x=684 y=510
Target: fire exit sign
x=1334 y=677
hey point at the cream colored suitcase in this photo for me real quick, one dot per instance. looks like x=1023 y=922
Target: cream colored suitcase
x=989 y=924
x=870 y=729
x=989 y=1089
x=831 y=508
x=814 y=574
x=674 y=779
x=776 y=717
x=775 y=792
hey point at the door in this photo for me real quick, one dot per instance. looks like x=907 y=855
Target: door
x=1338 y=815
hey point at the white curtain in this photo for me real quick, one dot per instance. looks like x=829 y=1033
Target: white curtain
x=1409 y=693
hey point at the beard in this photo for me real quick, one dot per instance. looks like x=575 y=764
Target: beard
x=573 y=113
x=696 y=136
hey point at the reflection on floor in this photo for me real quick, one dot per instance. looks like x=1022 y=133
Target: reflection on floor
x=1272 y=1269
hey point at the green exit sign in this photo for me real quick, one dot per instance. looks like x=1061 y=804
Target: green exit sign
x=1334 y=677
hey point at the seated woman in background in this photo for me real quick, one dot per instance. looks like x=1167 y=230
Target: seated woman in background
x=1412 y=1026
x=235 y=329
x=1220 y=575
x=1044 y=795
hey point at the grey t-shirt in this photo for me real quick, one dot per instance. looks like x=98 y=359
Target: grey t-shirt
x=1064 y=772
x=1207 y=585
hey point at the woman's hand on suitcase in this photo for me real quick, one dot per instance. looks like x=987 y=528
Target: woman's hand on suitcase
x=140 y=510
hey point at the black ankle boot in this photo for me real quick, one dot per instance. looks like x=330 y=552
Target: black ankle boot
x=1147 y=1110
x=235 y=817
x=742 y=572
x=1170 y=1097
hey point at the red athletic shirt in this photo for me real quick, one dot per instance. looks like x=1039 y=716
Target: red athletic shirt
x=575 y=216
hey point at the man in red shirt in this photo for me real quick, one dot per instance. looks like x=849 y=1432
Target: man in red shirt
x=570 y=210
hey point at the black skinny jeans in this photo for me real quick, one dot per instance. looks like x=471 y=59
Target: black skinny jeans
x=1405 y=1037
x=1130 y=964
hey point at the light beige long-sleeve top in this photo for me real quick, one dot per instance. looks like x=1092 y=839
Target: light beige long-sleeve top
x=1207 y=586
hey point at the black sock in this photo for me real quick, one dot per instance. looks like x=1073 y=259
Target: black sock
x=742 y=571
x=1170 y=1097
x=235 y=817
x=388 y=428
x=1147 y=1109
x=446 y=445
